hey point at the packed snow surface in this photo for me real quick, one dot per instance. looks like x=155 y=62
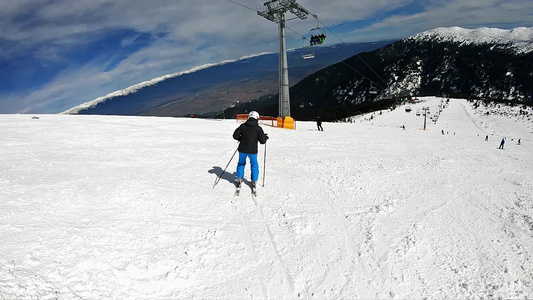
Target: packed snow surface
x=105 y=207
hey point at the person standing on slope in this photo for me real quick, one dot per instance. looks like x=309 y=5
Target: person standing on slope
x=319 y=124
x=248 y=134
x=502 y=143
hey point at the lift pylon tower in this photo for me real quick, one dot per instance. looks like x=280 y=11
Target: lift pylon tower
x=275 y=11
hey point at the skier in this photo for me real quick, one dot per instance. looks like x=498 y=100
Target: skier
x=319 y=124
x=519 y=141
x=248 y=134
x=487 y=138
x=502 y=143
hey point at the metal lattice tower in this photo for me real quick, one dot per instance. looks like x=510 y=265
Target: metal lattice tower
x=275 y=11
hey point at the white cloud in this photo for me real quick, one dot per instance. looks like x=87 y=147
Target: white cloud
x=190 y=33
x=469 y=14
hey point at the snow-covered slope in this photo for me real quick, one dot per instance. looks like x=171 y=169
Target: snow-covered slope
x=100 y=207
x=520 y=39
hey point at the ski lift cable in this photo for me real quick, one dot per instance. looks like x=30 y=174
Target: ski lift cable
x=242 y=5
x=342 y=41
x=323 y=25
x=257 y=11
x=292 y=19
x=296 y=33
x=360 y=73
x=320 y=22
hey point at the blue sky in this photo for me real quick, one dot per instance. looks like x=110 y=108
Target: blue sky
x=56 y=54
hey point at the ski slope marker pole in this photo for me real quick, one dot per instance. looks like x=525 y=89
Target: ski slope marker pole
x=264 y=164
x=218 y=179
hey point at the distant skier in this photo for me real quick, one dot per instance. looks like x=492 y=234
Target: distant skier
x=502 y=143
x=519 y=141
x=248 y=134
x=319 y=124
x=442 y=132
x=487 y=138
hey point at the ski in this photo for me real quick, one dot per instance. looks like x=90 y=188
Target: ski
x=238 y=185
x=254 y=190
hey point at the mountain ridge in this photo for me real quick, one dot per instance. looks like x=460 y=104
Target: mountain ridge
x=421 y=65
x=482 y=62
x=134 y=88
x=216 y=84
x=521 y=38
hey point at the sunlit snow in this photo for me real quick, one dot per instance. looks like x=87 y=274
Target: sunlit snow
x=109 y=207
x=520 y=39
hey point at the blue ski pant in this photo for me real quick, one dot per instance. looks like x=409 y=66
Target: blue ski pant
x=254 y=165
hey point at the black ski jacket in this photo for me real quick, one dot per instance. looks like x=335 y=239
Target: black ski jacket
x=249 y=134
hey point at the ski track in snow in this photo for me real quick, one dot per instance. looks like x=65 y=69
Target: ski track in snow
x=124 y=207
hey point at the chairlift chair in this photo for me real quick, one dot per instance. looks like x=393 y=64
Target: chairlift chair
x=317 y=35
x=372 y=90
x=308 y=56
x=307 y=51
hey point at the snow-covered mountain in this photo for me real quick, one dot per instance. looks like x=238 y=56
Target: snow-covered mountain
x=121 y=207
x=519 y=39
x=481 y=63
x=476 y=63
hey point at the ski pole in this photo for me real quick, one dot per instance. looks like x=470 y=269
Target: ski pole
x=264 y=165
x=218 y=179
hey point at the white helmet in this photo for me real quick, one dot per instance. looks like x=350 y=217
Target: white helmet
x=253 y=114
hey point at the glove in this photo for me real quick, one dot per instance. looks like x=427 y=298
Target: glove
x=266 y=136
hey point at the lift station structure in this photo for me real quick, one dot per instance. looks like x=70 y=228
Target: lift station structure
x=275 y=11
